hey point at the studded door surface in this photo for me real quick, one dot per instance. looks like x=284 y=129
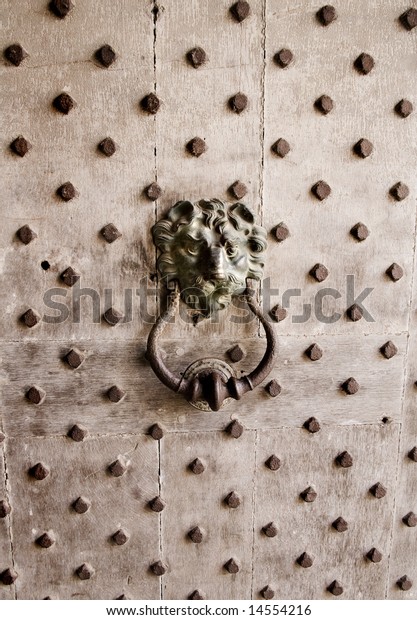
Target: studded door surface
x=111 y=486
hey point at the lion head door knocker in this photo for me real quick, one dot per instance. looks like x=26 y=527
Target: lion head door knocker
x=210 y=252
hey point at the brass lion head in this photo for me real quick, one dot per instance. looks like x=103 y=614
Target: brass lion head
x=210 y=249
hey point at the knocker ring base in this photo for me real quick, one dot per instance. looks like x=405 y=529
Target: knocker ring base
x=213 y=253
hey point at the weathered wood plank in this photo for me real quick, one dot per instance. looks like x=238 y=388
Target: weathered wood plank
x=39 y=506
x=198 y=500
x=308 y=388
x=309 y=460
x=321 y=148
x=6 y=561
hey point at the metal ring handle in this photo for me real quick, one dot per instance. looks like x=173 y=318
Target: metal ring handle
x=210 y=384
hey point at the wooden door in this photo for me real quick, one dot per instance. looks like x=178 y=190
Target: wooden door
x=100 y=491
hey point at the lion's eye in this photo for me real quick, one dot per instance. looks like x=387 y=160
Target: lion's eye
x=231 y=250
x=192 y=249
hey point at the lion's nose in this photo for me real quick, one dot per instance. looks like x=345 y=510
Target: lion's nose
x=216 y=262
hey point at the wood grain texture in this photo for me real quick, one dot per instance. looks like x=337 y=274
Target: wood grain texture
x=6 y=560
x=198 y=500
x=80 y=469
x=309 y=460
x=321 y=148
x=308 y=388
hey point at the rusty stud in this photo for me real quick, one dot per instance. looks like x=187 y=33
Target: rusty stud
x=273 y=463
x=409 y=19
x=321 y=190
x=110 y=233
x=326 y=15
x=404 y=583
x=107 y=147
x=363 y=148
x=5 y=508
x=196 y=147
x=364 y=64
x=150 y=103
x=85 y=571
x=153 y=191
x=26 y=234
x=324 y=104
x=378 y=490
x=67 y=191
x=118 y=467
x=399 y=191
x=284 y=57
x=319 y=272
x=8 y=576
x=388 y=350
x=20 y=146
x=374 y=555
x=350 y=386
x=359 y=231
x=35 y=395
x=15 y=54
x=61 y=8
x=39 y=471
x=412 y=455
x=410 y=519
x=278 y=313
x=340 y=525
x=240 y=10
x=156 y=432
x=70 y=276
x=238 y=103
x=74 y=358
x=270 y=530
x=281 y=147
x=404 y=108
x=78 y=432
x=158 y=568
x=312 y=425
x=157 y=504
x=120 y=537
x=112 y=316
x=281 y=232
x=196 y=595
x=267 y=593
x=115 y=394
x=231 y=566
x=232 y=500
x=335 y=588
x=308 y=495
x=46 y=540
x=195 y=535
x=354 y=312
x=30 y=318
x=238 y=190
x=314 y=352
x=273 y=388
x=234 y=429
x=197 y=466
x=196 y=57
x=305 y=560
x=344 y=459
x=395 y=272
x=81 y=505
x=105 y=55
x=64 y=103
x=236 y=353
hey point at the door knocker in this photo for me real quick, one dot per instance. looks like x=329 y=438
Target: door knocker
x=209 y=253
